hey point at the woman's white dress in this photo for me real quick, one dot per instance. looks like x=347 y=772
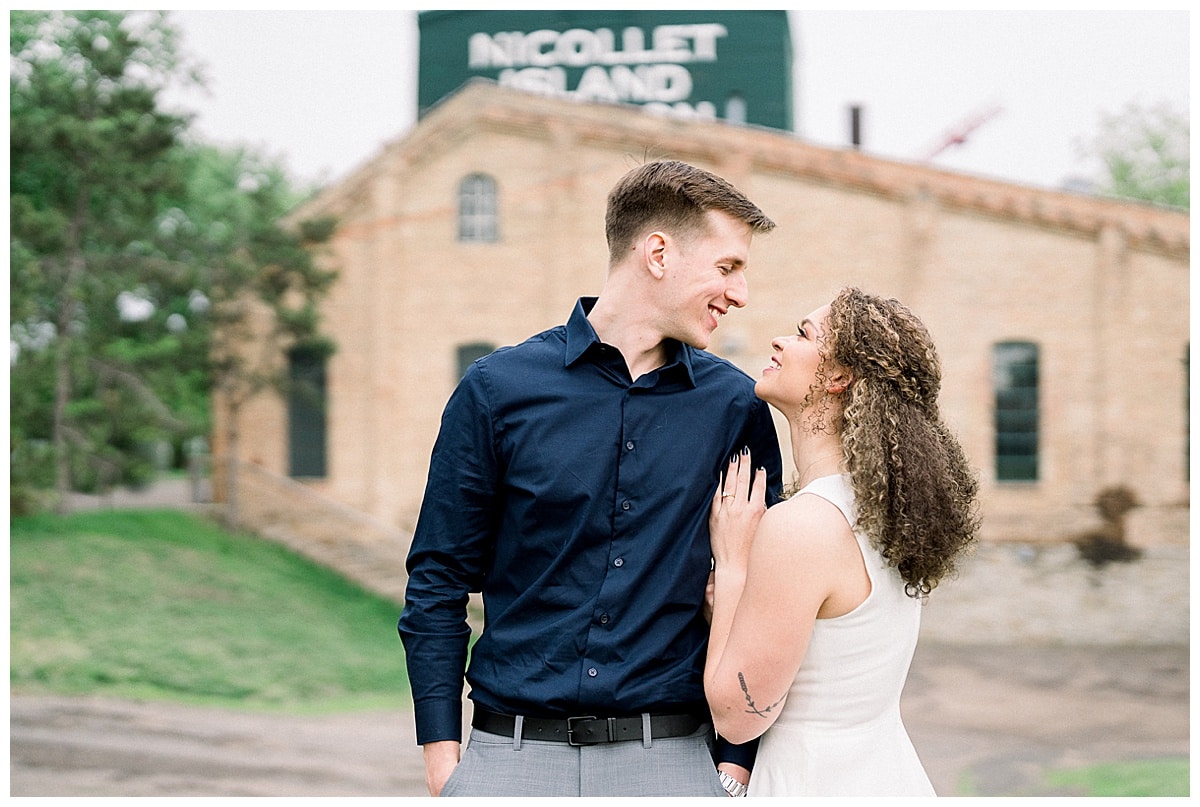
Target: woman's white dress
x=840 y=732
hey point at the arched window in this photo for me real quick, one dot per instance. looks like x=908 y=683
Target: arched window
x=1015 y=383
x=478 y=210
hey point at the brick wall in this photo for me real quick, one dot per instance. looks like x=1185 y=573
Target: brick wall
x=1100 y=286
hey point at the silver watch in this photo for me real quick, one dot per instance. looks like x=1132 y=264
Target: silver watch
x=732 y=786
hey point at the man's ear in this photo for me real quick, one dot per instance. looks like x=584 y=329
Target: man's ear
x=655 y=247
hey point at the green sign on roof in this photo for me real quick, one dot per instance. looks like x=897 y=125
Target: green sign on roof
x=727 y=65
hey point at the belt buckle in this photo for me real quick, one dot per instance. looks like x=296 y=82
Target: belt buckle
x=571 y=729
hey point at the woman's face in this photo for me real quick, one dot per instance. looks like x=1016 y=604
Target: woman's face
x=788 y=381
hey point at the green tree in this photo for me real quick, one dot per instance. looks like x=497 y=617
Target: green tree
x=1145 y=151
x=91 y=154
x=256 y=284
x=139 y=260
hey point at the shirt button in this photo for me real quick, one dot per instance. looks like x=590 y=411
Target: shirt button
x=593 y=672
x=604 y=619
x=625 y=505
x=629 y=445
x=619 y=562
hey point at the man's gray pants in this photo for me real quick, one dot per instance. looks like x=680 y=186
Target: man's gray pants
x=495 y=765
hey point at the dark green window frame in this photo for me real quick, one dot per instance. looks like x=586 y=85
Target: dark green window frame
x=1015 y=380
x=469 y=352
x=307 y=404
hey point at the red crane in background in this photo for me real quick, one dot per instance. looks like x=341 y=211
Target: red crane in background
x=958 y=135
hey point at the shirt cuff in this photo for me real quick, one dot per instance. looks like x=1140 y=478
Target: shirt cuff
x=744 y=754
x=438 y=720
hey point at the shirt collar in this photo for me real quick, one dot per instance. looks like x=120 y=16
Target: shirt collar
x=581 y=336
x=580 y=333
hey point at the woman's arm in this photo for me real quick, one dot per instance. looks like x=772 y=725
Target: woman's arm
x=773 y=570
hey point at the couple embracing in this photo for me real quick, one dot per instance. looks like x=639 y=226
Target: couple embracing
x=659 y=619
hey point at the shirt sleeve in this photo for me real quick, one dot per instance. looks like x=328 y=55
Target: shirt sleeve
x=744 y=754
x=762 y=438
x=448 y=558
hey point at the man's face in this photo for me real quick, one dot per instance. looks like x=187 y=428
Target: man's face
x=705 y=277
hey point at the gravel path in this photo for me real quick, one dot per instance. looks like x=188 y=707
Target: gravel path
x=985 y=718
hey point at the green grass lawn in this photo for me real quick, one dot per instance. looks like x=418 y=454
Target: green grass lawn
x=1161 y=777
x=163 y=604
x=1169 y=776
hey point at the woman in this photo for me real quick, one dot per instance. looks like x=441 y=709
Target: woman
x=816 y=602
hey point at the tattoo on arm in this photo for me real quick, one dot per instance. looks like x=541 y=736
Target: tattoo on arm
x=752 y=709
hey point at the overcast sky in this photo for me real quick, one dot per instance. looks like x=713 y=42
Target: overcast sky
x=324 y=90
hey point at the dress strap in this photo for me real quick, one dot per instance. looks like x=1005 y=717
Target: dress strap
x=836 y=490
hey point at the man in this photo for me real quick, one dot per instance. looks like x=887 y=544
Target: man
x=570 y=483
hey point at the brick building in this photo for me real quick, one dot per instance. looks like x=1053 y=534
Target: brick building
x=1062 y=320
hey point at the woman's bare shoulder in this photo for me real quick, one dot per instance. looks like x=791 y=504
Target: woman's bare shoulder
x=805 y=522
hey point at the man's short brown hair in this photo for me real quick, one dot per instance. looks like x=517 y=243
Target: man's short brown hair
x=672 y=196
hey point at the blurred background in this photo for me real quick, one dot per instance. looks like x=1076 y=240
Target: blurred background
x=1026 y=90
x=252 y=252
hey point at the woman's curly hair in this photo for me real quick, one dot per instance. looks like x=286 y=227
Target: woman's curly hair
x=915 y=492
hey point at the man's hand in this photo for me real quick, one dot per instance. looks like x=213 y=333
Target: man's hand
x=441 y=758
x=736 y=771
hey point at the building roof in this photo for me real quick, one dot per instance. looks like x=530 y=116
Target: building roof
x=482 y=105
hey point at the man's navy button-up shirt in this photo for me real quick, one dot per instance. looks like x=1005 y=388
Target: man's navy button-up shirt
x=576 y=499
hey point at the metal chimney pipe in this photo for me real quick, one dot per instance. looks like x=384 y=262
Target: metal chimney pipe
x=856 y=127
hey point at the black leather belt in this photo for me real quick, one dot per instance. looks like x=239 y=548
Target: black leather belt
x=587 y=730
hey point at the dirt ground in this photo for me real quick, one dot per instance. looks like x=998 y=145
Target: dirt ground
x=986 y=721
